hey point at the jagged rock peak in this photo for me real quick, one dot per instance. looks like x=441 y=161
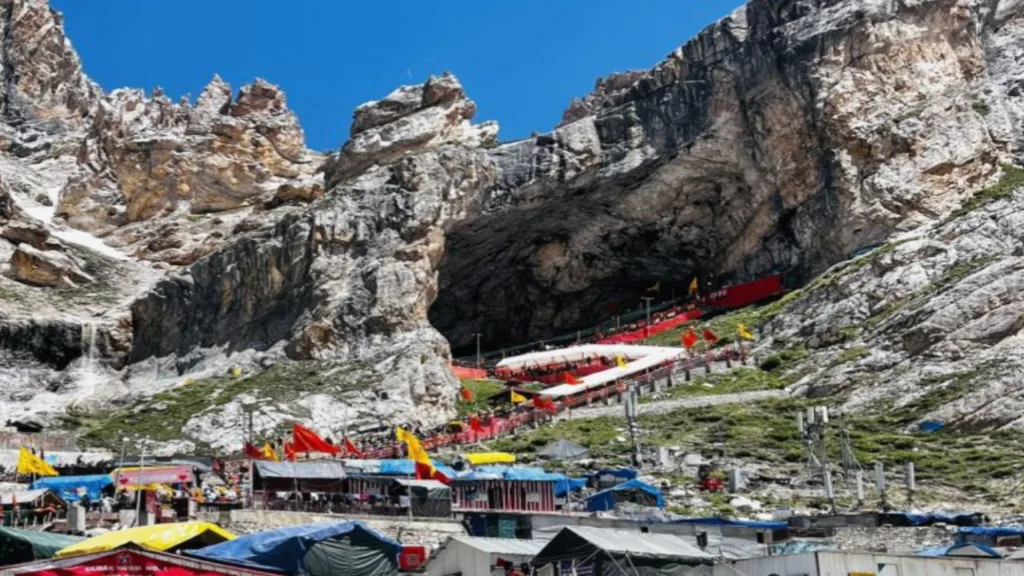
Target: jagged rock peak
x=42 y=75
x=605 y=89
x=410 y=119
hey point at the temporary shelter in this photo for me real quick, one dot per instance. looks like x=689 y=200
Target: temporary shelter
x=635 y=491
x=963 y=550
x=70 y=488
x=37 y=498
x=129 y=559
x=469 y=555
x=19 y=546
x=563 y=450
x=326 y=549
x=305 y=476
x=611 y=476
x=160 y=537
x=612 y=552
x=426 y=497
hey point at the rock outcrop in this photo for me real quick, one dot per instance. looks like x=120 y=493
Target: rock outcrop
x=782 y=138
x=42 y=83
x=186 y=238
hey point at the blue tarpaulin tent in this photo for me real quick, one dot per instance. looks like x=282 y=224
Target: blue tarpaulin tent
x=634 y=490
x=567 y=485
x=967 y=550
x=325 y=549
x=67 y=486
x=406 y=467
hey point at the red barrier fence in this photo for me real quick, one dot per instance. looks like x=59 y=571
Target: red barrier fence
x=501 y=426
x=655 y=329
x=464 y=373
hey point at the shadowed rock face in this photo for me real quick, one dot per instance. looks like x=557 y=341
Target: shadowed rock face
x=782 y=138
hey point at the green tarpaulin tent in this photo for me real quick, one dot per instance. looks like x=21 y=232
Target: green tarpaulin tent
x=18 y=546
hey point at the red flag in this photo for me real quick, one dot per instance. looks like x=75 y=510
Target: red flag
x=571 y=379
x=252 y=451
x=467 y=394
x=544 y=403
x=474 y=424
x=689 y=339
x=710 y=337
x=351 y=448
x=289 y=452
x=305 y=440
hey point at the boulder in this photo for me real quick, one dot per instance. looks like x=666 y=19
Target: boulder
x=33 y=234
x=39 y=268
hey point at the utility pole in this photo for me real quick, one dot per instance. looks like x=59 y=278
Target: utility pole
x=632 y=399
x=138 y=485
x=647 y=300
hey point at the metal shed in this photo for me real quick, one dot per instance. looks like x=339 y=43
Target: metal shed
x=468 y=556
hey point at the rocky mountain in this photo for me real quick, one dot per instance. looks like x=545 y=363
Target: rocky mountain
x=148 y=243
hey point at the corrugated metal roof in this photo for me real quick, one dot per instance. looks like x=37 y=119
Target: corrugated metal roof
x=648 y=545
x=22 y=497
x=309 y=469
x=509 y=546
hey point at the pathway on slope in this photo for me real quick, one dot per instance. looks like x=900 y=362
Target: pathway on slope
x=663 y=406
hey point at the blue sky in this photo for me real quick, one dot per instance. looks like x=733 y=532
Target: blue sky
x=522 y=61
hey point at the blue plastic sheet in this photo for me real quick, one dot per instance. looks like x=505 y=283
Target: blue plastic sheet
x=67 y=486
x=728 y=522
x=605 y=499
x=284 y=549
x=567 y=485
x=406 y=467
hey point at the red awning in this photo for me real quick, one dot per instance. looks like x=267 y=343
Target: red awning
x=162 y=475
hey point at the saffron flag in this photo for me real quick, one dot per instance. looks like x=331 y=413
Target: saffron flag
x=620 y=362
x=268 y=453
x=689 y=338
x=425 y=469
x=743 y=332
x=29 y=463
x=518 y=398
x=467 y=394
x=694 y=287
x=571 y=379
x=474 y=424
x=305 y=440
x=352 y=450
x=289 y=452
x=544 y=403
x=710 y=337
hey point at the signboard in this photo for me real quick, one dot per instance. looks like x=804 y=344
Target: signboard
x=124 y=563
x=533 y=497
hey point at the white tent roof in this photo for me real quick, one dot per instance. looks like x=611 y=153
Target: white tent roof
x=577 y=353
x=22 y=497
x=639 y=544
x=649 y=360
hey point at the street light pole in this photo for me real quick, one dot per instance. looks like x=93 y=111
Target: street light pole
x=479 y=360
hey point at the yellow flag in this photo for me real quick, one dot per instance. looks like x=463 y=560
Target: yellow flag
x=656 y=287
x=29 y=463
x=743 y=332
x=693 y=286
x=412 y=443
x=269 y=453
x=518 y=398
x=620 y=362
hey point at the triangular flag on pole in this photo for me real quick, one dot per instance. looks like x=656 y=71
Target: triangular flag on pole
x=620 y=362
x=689 y=338
x=305 y=440
x=268 y=453
x=694 y=287
x=518 y=398
x=743 y=332
x=425 y=469
x=29 y=463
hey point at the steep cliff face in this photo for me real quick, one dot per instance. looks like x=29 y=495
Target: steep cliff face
x=782 y=138
x=146 y=240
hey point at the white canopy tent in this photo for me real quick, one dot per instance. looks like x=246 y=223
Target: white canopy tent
x=638 y=358
x=478 y=556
